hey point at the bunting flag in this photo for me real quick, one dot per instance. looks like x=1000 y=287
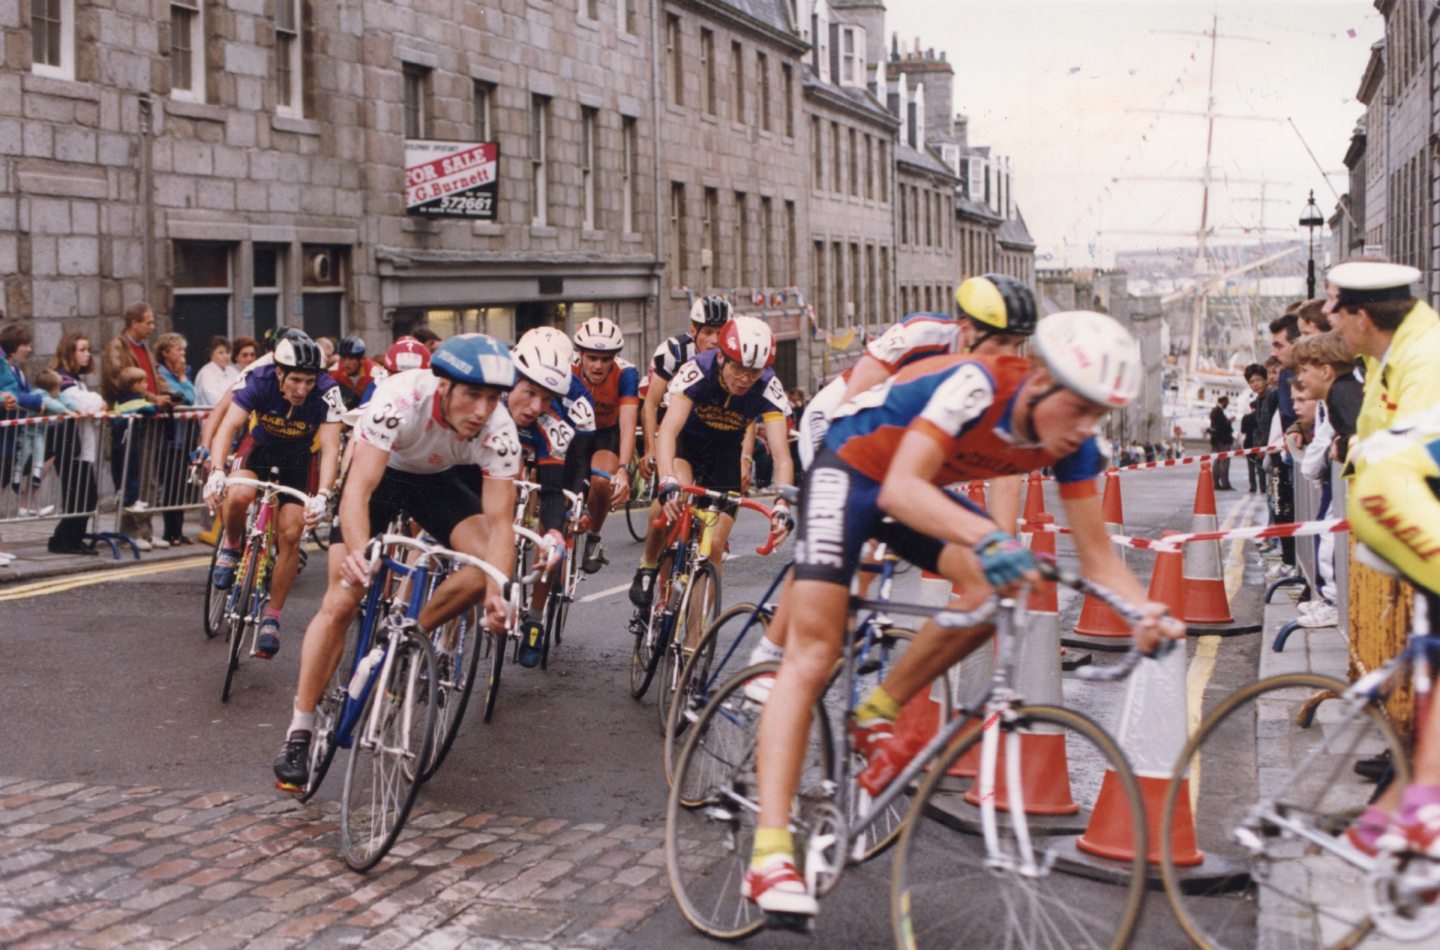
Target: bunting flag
x=843 y=341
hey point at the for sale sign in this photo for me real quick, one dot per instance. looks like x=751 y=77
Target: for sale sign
x=451 y=179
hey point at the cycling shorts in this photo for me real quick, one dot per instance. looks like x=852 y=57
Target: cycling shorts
x=437 y=501
x=608 y=440
x=840 y=511
x=293 y=469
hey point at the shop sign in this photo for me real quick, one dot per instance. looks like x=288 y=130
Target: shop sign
x=451 y=179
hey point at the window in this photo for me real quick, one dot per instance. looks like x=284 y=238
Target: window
x=710 y=217
x=869 y=168
x=837 y=184
x=767 y=242
x=417 y=105
x=737 y=78
x=679 y=243
x=52 y=38
x=289 y=74
x=201 y=308
x=539 y=149
x=762 y=85
x=322 y=298
x=707 y=71
x=791 y=245
x=854 y=164
x=483 y=98
x=856 y=300
x=852 y=56
x=674 y=59
x=820 y=40
x=267 y=286
x=587 y=167
x=818 y=152
x=187 y=50
x=872 y=288
x=885 y=303
x=787 y=89
x=742 y=236
x=883 y=166
x=591 y=8
x=904 y=218
x=837 y=271
x=822 y=285
x=629 y=174
x=625 y=15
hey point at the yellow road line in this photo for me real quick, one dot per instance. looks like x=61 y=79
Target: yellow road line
x=56 y=585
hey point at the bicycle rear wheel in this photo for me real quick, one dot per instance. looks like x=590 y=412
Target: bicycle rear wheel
x=493 y=646
x=710 y=815
x=637 y=509
x=652 y=639
x=699 y=674
x=697 y=611
x=214 y=597
x=241 y=604
x=943 y=873
x=1245 y=779
x=383 y=774
x=457 y=660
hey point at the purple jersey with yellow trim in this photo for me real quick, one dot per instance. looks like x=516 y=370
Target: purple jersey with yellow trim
x=717 y=415
x=278 y=424
x=964 y=403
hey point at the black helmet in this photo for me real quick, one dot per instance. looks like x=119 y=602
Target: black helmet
x=712 y=311
x=281 y=332
x=997 y=303
x=351 y=346
x=296 y=351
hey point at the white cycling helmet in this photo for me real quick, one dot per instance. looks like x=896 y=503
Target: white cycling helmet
x=543 y=356
x=1090 y=354
x=599 y=335
x=712 y=311
x=748 y=341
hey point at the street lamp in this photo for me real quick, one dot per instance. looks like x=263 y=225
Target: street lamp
x=1312 y=219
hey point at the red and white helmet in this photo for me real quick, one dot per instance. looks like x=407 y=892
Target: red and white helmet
x=406 y=353
x=544 y=356
x=748 y=341
x=1092 y=355
x=599 y=335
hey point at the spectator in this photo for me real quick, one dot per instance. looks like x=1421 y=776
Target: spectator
x=217 y=376
x=330 y=350
x=1284 y=331
x=427 y=336
x=1255 y=377
x=131 y=350
x=355 y=371
x=77 y=445
x=126 y=436
x=1325 y=368
x=1311 y=318
x=174 y=437
x=1222 y=439
x=243 y=352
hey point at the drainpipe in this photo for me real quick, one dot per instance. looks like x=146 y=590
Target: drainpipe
x=147 y=192
x=656 y=104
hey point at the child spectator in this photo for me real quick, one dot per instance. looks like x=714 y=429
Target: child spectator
x=132 y=397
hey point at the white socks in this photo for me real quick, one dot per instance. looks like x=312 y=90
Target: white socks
x=301 y=722
x=766 y=652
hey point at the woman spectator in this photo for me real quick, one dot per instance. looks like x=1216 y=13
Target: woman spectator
x=330 y=349
x=22 y=448
x=216 y=376
x=77 y=444
x=243 y=352
x=175 y=446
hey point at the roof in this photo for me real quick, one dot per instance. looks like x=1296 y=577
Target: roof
x=1014 y=232
x=976 y=209
x=856 y=100
x=924 y=160
x=772 y=13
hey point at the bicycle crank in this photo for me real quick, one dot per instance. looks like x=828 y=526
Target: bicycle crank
x=1403 y=897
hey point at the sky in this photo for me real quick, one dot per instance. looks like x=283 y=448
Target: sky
x=1070 y=90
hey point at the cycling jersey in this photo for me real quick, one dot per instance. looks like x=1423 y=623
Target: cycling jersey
x=914 y=338
x=405 y=419
x=577 y=407
x=1394 y=504
x=716 y=415
x=278 y=424
x=621 y=387
x=674 y=353
x=548 y=438
x=966 y=405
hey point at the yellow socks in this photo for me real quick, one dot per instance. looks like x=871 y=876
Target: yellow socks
x=878 y=705
x=771 y=841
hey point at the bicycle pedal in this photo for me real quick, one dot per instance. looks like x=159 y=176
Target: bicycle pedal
x=794 y=923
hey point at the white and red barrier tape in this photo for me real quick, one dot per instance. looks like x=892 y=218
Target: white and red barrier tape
x=1169 y=463
x=48 y=420
x=1294 y=529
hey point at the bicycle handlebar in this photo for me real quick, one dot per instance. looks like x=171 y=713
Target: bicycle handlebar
x=765 y=547
x=300 y=496
x=1132 y=615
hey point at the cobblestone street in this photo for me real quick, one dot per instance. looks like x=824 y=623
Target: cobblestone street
x=100 y=866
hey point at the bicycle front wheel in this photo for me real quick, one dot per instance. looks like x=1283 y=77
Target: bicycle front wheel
x=652 y=639
x=700 y=674
x=943 y=872
x=392 y=744
x=699 y=609
x=240 y=604
x=1275 y=770
x=214 y=597
x=493 y=646
x=637 y=509
x=710 y=815
x=457 y=660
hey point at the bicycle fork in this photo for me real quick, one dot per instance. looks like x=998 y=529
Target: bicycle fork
x=1022 y=859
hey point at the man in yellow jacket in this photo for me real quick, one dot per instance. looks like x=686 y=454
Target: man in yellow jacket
x=1397 y=336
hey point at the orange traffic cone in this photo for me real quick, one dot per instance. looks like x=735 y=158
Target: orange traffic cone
x=1034 y=497
x=1207 y=607
x=1044 y=769
x=1097 y=619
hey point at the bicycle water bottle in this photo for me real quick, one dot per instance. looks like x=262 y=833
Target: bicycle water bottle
x=367 y=663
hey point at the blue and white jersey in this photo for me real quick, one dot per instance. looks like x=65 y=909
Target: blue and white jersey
x=916 y=337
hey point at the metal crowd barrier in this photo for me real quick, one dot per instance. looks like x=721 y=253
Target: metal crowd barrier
x=76 y=468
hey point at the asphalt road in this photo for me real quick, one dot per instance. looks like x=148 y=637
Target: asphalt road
x=114 y=683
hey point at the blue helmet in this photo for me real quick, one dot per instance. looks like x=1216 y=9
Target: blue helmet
x=474 y=359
